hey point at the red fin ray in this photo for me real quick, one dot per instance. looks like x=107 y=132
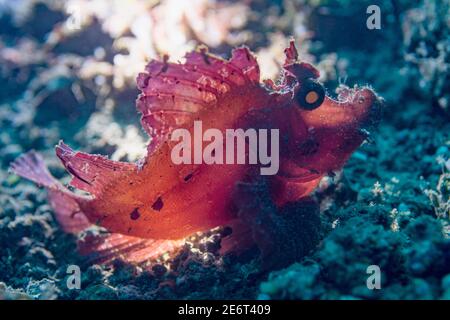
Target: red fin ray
x=172 y=93
x=241 y=69
x=31 y=166
x=109 y=247
x=90 y=172
x=292 y=66
x=105 y=248
x=67 y=212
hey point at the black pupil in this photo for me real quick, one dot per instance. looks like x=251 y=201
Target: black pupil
x=310 y=95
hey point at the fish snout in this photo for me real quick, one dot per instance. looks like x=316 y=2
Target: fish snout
x=373 y=104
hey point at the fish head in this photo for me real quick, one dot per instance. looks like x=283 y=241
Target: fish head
x=325 y=131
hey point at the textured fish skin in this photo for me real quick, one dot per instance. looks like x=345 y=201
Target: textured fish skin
x=150 y=206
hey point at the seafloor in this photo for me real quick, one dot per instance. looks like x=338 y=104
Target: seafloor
x=389 y=207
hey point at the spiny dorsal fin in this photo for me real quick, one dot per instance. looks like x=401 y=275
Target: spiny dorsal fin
x=172 y=93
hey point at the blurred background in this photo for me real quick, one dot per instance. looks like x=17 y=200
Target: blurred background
x=68 y=69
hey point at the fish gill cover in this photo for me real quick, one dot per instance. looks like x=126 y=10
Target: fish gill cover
x=319 y=200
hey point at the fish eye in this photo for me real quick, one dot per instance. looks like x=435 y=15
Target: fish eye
x=310 y=95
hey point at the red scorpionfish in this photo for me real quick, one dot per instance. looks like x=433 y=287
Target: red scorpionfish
x=149 y=207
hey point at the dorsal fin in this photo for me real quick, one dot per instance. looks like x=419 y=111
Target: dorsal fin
x=172 y=93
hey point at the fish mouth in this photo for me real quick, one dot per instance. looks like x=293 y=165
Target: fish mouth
x=365 y=97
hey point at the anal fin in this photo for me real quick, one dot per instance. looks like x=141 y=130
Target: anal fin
x=105 y=248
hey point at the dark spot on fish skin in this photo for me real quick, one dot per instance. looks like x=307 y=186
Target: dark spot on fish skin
x=309 y=147
x=99 y=221
x=158 y=204
x=134 y=215
x=314 y=171
x=188 y=177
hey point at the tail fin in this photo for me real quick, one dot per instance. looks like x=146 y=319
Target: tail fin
x=101 y=248
x=31 y=166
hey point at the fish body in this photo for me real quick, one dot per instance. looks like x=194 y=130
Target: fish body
x=157 y=199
